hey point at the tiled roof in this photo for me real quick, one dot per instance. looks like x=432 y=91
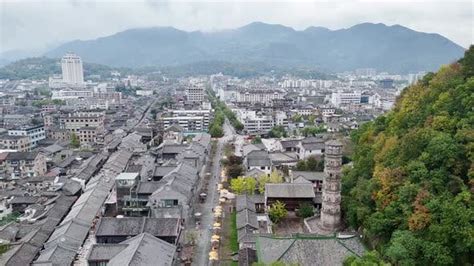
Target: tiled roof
x=289 y=190
x=132 y=226
x=307 y=250
x=145 y=249
x=18 y=156
x=308 y=175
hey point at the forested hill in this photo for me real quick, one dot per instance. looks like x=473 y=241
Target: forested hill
x=395 y=49
x=411 y=187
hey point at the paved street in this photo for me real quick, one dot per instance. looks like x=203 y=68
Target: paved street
x=203 y=245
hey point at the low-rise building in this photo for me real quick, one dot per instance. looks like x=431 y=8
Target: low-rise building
x=58 y=134
x=173 y=134
x=24 y=164
x=89 y=134
x=35 y=134
x=291 y=194
x=311 y=146
x=339 y=98
x=124 y=183
x=15 y=120
x=260 y=160
x=111 y=230
x=308 y=251
x=18 y=143
x=143 y=249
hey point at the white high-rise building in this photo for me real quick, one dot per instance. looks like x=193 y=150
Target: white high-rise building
x=71 y=66
x=345 y=98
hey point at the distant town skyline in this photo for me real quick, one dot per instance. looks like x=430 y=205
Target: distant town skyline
x=36 y=25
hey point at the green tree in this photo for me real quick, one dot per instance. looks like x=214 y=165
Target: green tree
x=234 y=159
x=234 y=170
x=412 y=173
x=237 y=125
x=75 y=143
x=305 y=210
x=58 y=102
x=277 y=132
x=274 y=178
x=277 y=211
x=467 y=63
x=216 y=131
x=312 y=130
x=296 y=118
x=370 y=258
x=310 y=164
x=301 y=165
x=153 y=112
x=243 y=185
x=261 y=181
x=257 y=140
x=237 y=185
x=310 y=120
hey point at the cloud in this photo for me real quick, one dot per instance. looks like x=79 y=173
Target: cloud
x=40 y=24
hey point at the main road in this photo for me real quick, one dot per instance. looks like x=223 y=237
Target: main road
x=203 y=243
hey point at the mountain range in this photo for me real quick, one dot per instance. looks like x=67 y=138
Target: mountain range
x=394 y=49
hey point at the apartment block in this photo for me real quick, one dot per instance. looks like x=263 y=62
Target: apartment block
x=18 y=143
x=34 y=133
x=259 y=96
x=345 y=98
x=73 y=122
x=195 y=93
x=188 y=120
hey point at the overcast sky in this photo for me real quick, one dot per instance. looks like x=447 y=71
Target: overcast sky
x=39 y=24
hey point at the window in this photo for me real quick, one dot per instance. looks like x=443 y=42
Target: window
x=171 y=203
x=168 y=203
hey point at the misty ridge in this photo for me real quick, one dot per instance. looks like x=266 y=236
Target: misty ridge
x=395 y=49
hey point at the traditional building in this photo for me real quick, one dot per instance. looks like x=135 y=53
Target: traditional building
x=111 y=230
x=291 y=194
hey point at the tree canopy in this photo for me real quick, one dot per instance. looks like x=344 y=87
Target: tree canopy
x=410 y=188
x=243 y=185
x=277 y=211
x=274 y=178
x=277 y=132
x=75 y=142
x=310 y=164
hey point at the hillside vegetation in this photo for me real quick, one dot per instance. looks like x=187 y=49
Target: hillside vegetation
x=411 y=187
x=43 y=68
